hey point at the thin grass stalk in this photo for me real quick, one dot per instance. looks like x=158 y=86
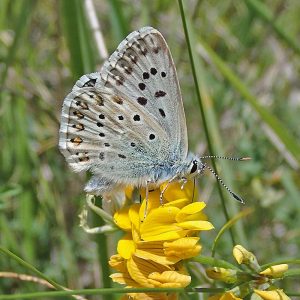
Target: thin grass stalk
x=206 y=130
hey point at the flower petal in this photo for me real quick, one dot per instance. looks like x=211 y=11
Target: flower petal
x=122 y=220
x=117 y=262
x=196 y=225
x=191 y=212
x=169 y=279
x=180 y=203
x=123 y=278
x=126 y=246
x=159 y=258
x=139 y=270
x=152 y=203
x=135 y=221
x=159 y=225
x=183 y=248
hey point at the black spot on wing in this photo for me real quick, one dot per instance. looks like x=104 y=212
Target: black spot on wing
x=142 y=86
x=146 y=75
x=162 y=112
x=153 y=71
x=151 y=136
x=159 y=94
x=136 y=118
x=142 y=100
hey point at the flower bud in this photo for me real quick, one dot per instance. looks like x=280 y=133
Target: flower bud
x=243 y=256
x=225 y=275
x=275 y=271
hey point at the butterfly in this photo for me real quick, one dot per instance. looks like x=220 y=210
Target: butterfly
x=126 y=124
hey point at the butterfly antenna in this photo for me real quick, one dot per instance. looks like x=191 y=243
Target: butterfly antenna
x=235 y=196
x=225 y=157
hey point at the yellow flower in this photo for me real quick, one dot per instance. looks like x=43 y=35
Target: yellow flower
x=158 y=238
x=272 y=295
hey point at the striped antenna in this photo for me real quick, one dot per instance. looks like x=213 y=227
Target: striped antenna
x=225 y=157
x=235 y=196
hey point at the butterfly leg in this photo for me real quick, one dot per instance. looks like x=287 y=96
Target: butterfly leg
x=165 y=188
x=147 y=197
x=183 y=182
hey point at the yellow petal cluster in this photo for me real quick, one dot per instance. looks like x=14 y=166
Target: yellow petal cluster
x=157 y=239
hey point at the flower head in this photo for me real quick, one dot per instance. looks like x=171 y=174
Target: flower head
x=158 y=238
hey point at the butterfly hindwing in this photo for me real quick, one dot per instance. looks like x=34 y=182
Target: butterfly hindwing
x=109 y=135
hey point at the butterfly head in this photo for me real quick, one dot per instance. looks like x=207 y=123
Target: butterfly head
x=194 y=166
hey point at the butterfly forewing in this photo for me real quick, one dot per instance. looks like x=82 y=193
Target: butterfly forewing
x=142 y=68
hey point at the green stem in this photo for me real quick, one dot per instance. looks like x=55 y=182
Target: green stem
x=109 y=292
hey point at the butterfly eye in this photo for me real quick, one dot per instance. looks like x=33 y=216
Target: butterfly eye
x=194 y=167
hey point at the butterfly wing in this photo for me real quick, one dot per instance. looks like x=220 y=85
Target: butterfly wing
x=143 y=69
x=126 y=121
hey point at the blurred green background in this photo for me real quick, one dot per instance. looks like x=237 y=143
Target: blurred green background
x=247 y=61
